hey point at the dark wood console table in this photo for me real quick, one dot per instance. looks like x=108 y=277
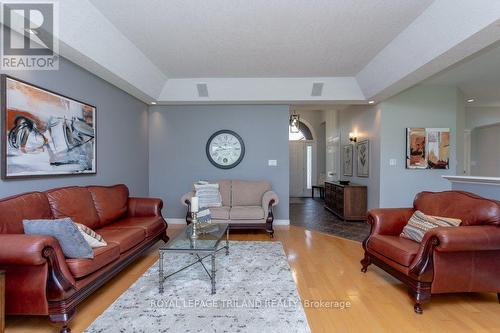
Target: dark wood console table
x=349 y=202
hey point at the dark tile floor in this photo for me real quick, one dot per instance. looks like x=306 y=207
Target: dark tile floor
x=310 y=214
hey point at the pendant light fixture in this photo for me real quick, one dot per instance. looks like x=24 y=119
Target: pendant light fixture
x=294 y=123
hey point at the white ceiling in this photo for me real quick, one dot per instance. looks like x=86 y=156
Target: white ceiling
x=477 y=77
x=260 y=38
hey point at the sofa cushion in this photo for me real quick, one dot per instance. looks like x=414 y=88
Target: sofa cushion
x=102 y=256
x=248 y=193
x=29 y=206
x=220 y=213
x=152 y=225
x=125 y=238
x=396 y=248
x=110 y=202
x=225 y=191
x=246 y=213
x=76 y=203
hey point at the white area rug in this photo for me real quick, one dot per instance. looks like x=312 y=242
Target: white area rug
x=255 y=293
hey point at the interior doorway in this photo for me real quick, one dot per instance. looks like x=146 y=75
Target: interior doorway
x=303 y=162
x=301 y=168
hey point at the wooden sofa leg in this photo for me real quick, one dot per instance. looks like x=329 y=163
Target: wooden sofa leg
x=420 y=297
x=365 y=262
x=62 y=320
x=498 y=296
x=164 y=237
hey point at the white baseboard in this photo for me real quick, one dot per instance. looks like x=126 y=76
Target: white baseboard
x=172 y=220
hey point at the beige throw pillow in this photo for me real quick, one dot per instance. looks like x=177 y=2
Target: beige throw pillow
x=420 y=223
x=90 y=236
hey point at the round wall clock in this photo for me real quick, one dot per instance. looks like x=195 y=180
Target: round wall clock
x=225 y=149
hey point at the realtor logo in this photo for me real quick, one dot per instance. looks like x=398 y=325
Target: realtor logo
x=29 y=35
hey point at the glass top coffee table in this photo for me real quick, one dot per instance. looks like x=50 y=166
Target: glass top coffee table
x=205 y=245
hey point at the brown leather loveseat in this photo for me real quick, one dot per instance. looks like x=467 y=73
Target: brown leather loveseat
x=449 y=259
x=39 y=279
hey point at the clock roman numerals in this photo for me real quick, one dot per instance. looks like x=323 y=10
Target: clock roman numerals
x=225 y=149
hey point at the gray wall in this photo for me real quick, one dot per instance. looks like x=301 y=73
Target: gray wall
x=365 y=121
x=178 y=135
x=122 y=131
x=421 y=106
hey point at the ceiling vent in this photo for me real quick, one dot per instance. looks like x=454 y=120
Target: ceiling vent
x=202 y=89
x=317 y=89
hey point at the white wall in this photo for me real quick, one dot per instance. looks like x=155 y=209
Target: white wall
x=481 y=116
x=365 y=121
x=421 y=106
x=485 y=152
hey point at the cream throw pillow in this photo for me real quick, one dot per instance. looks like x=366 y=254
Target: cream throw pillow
x=420 y=223
x=90 y=236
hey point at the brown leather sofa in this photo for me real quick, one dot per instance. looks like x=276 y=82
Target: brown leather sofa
x=449 y=259
x=39 y=279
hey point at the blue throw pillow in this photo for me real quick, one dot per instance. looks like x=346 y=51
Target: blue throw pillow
x=66 y=232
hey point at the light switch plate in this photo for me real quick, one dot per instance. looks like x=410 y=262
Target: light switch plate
x=393 y=162
x=272 y=163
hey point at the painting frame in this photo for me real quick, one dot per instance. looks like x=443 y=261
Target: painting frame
x=431 y=152
x=363 y=169
x=4 y=103
x=347 y=150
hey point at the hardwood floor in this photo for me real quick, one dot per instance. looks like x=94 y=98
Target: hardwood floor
x=324 y=268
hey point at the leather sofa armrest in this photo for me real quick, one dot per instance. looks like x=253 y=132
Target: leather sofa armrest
x=389 y=221
x=186 y=199
x=141 y=207
x=453 y=239
x=269 y=199
x=33 y=250
x=466 y=238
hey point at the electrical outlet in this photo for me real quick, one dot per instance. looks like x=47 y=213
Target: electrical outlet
x=272 y=163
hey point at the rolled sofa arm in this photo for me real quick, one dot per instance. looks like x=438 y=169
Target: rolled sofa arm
x=269 y=198
x=143 y=207
x=466 y=238
x=32 y=250
x=186 y=198
x=453 y=239
x=389 y=221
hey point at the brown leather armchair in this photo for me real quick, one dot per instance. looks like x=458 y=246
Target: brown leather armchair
x=456 y=259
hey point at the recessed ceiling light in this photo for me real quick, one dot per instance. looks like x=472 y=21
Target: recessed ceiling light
x=371 y=102
x=471 y=100
x=154 y=103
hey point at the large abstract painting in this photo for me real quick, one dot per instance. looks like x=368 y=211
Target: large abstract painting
x=45 y=134
x=427 y=148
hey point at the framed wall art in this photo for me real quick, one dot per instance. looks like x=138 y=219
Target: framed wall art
x=427 y=148
x=347 y=160
x=362 y=158
x=45 y=133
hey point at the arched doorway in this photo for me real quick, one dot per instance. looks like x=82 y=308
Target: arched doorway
x=302 y=159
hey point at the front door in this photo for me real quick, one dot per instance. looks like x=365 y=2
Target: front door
x=301 y=168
